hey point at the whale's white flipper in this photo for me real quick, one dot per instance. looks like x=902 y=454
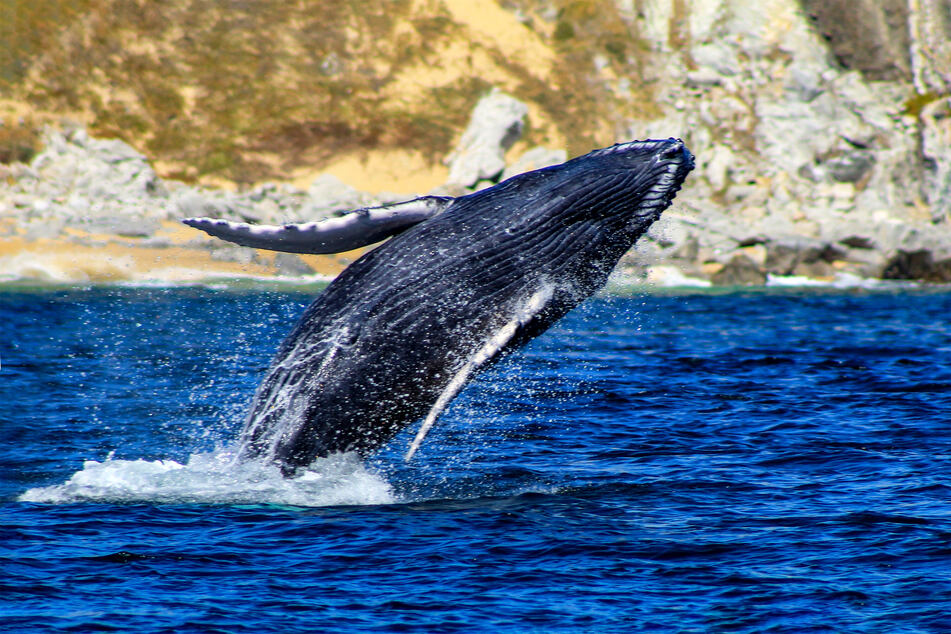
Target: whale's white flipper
x=332 y=235
x=486 y=353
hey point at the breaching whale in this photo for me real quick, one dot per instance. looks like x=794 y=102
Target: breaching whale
x=398 y=334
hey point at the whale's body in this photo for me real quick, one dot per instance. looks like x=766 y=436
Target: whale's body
x=399 y=332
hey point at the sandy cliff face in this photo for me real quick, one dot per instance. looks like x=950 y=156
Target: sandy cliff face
x=822 y=129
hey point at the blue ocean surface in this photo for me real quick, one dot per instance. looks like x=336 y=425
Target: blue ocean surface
x=757 y=461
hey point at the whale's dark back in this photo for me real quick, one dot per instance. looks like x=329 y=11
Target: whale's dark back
x=377 y=348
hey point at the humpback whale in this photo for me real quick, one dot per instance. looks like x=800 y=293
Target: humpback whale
x=460 y=282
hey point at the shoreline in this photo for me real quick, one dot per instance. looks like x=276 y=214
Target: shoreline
x=93 y=211
x=174 y=255
x=92 y=261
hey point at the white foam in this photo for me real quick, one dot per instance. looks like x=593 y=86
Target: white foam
x=672 y=277
x=161 y=278
x=216 y=478
x=796 y=281
x=841 y=280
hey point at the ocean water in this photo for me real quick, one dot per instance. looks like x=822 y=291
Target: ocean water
x=770 y=460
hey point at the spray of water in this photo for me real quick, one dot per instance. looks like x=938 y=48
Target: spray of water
x=216 y=478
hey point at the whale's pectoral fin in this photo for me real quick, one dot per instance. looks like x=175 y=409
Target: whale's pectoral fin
x=483 y=356
x=332 y=235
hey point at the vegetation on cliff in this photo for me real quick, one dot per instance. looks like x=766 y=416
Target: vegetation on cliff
x=248 y=91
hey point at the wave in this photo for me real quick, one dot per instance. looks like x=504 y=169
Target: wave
x=216 y=478
x=840 y=281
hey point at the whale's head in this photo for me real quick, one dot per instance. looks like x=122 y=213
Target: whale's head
x=639 y=178
x=615 y=192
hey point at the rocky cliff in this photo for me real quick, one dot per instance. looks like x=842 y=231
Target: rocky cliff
x=822 y=129
x=822 y=134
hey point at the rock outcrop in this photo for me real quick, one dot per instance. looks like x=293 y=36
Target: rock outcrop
x=497 y=122
x=821 y=131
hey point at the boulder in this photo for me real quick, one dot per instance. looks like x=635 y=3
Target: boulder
x=496 y=123
x=867 y=35
x=328 y=194
x=741 y=270
x=802 y=256
x=917 y=265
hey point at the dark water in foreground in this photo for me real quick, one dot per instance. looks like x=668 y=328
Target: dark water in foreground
x=743 y=462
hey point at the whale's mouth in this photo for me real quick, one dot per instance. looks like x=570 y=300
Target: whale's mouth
x=653 y=171
x=676 y=161
x=672 y=149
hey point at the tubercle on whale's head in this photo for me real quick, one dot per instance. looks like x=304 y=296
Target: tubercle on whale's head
x=670 y=148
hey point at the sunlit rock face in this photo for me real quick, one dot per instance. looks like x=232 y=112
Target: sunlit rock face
x=813 y=123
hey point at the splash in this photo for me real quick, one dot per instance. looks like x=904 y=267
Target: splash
x=216 y=478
